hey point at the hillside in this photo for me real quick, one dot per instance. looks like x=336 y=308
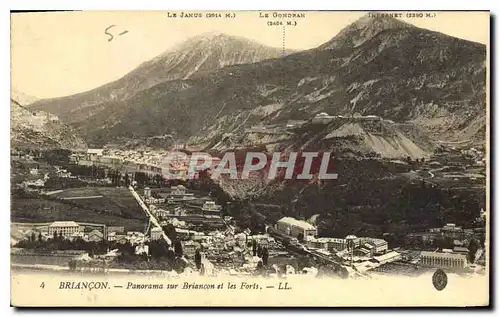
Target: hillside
x=200 y=54
x=22 y=98
x=40 y=130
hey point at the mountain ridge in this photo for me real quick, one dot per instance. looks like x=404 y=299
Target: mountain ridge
x=181 y=62
x=393 y=70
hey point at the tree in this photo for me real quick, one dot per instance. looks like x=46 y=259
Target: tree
x=473 y=247
x=118 y=178
x=178 y=248
x=259 y=251
x=40 y=237
x=300 y=237
x=55 y=235
x=171 y=232
x=265 y=256
x=260 y=270
x=197 y=259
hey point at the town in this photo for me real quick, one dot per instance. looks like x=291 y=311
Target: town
x=183 y=229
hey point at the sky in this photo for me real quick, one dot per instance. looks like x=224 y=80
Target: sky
x=62 y=53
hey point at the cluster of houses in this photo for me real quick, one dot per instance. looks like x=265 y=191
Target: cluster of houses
x=217 y=242
x=360 y=250
x=129 y=161
x=176 y=197
x=459 y=235
x=72 y=231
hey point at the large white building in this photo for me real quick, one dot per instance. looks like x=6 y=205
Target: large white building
x=293 y=227
x=92 y=154
x=330 y=244
x=156 y=233
x=380 y=245
x=443 y=259
x=66 y=228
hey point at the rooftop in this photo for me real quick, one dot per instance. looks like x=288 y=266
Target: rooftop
x=295 y=222
x=444 y=255
x=97 y=233
x=377 y=242
x=95 y=151
x=387 y=256
x=64 y=224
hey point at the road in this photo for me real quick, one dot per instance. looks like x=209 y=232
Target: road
x=152 y=218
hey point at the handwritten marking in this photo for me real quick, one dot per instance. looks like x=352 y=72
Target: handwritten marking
x=106 y=32
x=111 y=35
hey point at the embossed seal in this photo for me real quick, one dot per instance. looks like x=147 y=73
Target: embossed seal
x=439 y=280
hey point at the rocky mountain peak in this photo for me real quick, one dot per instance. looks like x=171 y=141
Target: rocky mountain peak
x=362 y=30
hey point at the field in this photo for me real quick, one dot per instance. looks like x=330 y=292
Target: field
x=111 y=206
x=110 y=200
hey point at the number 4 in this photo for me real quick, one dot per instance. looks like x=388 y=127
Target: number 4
x=42 y=285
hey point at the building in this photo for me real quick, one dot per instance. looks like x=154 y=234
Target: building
x=210 y=208
x=66 y=228
x=135 y=237
x=293 y=227
x=452 y=231
x=156 y=233
x=112 y=236
x=121 y=239
x=330 y=244
x=189 y=247
x=147 y=192
x=442 y=259
x=95 y=236
x=322 y=118
x=93 y=154
x=52 y=118
x=380 y=245
x=366 y=250
x=118 y=230
x=388 y=257
x=337 y=244
x=142 y=249
x=178 y=190
x=179 y=211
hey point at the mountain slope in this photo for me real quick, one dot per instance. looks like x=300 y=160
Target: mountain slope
x=40 y=130
x=22 y=98
x=203 y=53
x=401 y=73
x=361 y=31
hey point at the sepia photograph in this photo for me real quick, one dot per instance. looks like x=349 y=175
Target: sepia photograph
x=250 y=158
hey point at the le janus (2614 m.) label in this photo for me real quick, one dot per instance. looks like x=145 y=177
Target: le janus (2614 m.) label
x=300 y=166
